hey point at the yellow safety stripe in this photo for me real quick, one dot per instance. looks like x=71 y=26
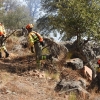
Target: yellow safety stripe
x=34 y=37
x=43 y=57
x=30 y=38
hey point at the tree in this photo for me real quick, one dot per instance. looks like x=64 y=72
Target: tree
x=14 y=15
x=33 y=6
x=78 y=18
x=72 y=18
x=17 y=18
x=1 y=10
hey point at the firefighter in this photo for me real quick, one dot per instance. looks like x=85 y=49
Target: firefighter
x=2 y=44
x=35 y=40
x=98 y=75
x=96 y=80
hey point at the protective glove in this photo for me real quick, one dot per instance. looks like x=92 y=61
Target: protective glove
x=4 y=35
x=42 y=43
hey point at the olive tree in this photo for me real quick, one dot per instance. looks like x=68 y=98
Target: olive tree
x=73 y=18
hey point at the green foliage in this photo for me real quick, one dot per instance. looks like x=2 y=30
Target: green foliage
x=13 y=14
x=78 y=18
x=18 y=18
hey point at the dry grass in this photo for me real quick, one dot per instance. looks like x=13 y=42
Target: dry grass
x=5 y=77
x=11 y=42
x=72 y=96
x=30 y=87
x=53 y=76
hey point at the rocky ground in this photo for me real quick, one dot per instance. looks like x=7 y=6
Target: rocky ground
x=33 y=84
x=20 y=79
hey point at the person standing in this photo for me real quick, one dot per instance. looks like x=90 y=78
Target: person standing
x=96 y=80
x=35 y=40
x=98 y=75
x=2 y=44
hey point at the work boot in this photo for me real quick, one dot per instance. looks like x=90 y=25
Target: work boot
x=7 y=54
x=0 y=55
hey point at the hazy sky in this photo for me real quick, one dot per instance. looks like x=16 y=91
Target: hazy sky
x=51 y=34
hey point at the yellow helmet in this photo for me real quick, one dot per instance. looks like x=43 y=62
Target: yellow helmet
x=29 y=26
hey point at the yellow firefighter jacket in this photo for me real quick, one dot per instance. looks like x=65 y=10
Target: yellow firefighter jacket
x=2 y=30
x=34 y=37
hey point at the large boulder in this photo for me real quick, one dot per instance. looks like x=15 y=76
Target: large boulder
x=72 y=81
x=57 y=50
x=86 y=72
x=75 y=63
x=77 y=86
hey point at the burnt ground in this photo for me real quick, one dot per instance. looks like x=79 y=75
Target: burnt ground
x=20 y=79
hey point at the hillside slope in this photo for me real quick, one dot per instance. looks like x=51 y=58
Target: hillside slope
x=20 y=79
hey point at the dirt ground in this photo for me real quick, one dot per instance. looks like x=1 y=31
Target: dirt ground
x=29 y=84
x=20 y=79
